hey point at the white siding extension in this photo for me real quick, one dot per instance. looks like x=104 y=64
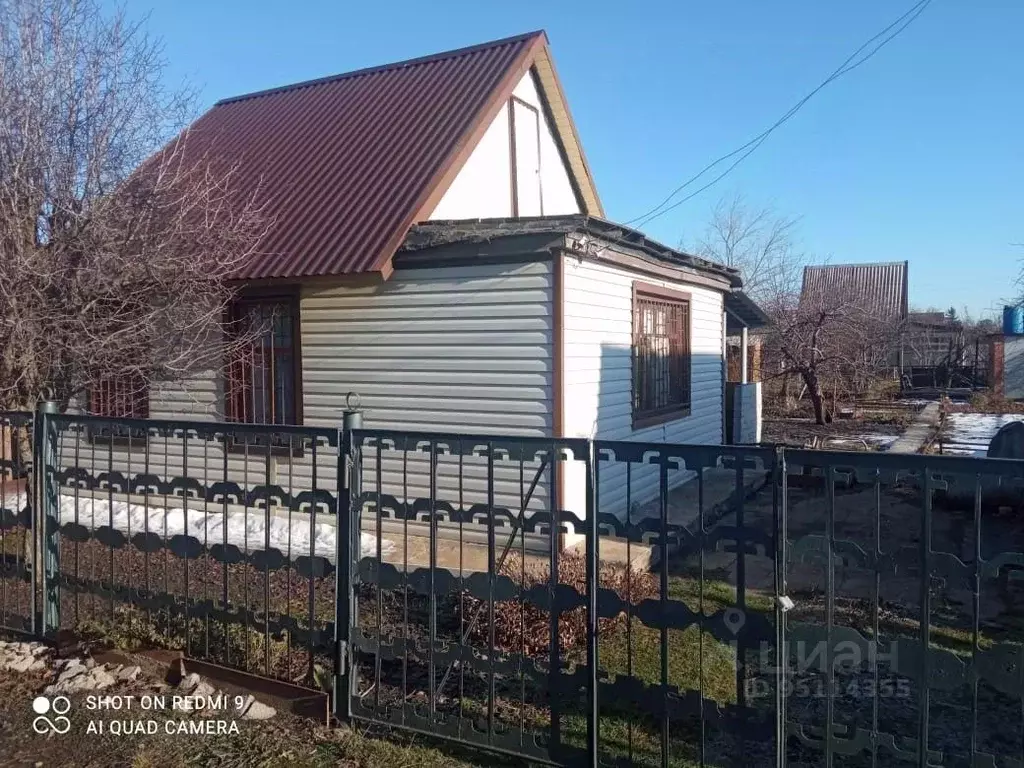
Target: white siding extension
x=598 y=370
x=483 y=188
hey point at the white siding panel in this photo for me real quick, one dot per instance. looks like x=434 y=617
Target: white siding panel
x=483 y=188
x=598 y=372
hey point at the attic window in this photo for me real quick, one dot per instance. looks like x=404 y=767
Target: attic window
x=661 y=355
x=524 y=151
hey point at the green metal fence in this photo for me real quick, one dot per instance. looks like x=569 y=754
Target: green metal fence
x=572 y=602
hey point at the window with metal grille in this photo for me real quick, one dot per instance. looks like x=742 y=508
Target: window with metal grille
x=661 y=355
x=263 y=382
x=125 y=396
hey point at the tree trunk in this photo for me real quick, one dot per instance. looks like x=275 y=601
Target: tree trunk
x=817 y=401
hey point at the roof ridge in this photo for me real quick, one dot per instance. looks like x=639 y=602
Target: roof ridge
x=385 y=67
x=859 y=264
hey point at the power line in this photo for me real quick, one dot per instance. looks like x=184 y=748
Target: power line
x=895 y=28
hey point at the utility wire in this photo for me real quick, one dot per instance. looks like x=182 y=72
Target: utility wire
x=892 y=31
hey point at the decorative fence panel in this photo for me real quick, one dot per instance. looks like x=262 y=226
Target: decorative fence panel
x=568 y=601
x=198 y=536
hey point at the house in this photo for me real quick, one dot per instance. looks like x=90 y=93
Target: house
x=879 y=288
x=439 y=248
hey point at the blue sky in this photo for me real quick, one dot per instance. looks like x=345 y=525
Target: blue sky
x=916 y=155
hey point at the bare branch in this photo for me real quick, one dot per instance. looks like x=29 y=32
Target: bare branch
x=758 y=242
x=117 y=258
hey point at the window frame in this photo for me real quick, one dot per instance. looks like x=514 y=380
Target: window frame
x=107 y=434
x=513 y=154
x=642 y=419
x=289 y=296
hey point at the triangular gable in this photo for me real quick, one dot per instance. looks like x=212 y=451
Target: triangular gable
x=527 y=161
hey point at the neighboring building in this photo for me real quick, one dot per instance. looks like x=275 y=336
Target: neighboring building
x=879 y=288
x=438 y=248
x=934 y=339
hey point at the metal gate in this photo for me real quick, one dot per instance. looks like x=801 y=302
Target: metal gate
x=568 y=601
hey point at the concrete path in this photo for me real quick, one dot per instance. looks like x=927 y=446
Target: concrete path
x=919 y=432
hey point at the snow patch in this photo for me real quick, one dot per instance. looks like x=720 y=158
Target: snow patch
x=969 y=434
x=247 y=531
x=883 y=441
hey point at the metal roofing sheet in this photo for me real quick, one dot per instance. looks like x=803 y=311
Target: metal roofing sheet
x=880 y=288
x=345 y=164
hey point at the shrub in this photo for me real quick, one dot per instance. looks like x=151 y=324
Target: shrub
x=523 y=627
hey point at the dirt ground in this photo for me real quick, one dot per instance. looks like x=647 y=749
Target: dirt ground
x=284 y=741
x=867 y=427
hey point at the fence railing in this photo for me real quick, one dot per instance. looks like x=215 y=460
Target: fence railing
x=570 y=601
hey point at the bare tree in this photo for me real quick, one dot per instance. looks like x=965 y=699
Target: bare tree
x=116 y=254
x=828 y=340
x=758 y=242
x=116 y=247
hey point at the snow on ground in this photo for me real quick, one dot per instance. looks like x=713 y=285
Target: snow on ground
x=882 y=441
x=247 y=531
x=969 y=434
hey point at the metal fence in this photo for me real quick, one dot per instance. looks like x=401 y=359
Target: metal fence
x=572 y=602
x=17 y=595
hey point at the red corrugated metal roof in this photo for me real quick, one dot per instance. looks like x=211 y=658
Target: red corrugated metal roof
x=345 y=165
x=879 y=288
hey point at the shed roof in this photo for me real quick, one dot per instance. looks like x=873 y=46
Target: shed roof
x=880 y=288
x=345 y=165
x=431 y=234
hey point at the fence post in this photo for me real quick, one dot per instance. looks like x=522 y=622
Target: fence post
x=782 y=604
x=593 y=569
x=346 y=532
x=45 y=518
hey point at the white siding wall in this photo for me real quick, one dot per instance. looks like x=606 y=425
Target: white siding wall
x=598 y=370
x=482 y=189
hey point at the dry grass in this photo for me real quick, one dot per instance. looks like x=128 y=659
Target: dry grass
x=525 y=628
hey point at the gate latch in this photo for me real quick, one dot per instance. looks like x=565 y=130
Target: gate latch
x=785 y=603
